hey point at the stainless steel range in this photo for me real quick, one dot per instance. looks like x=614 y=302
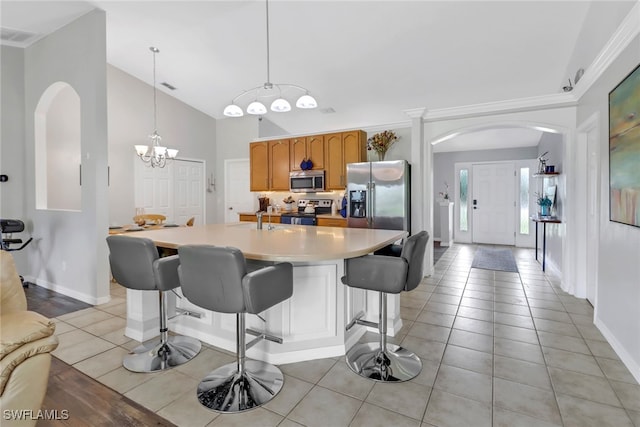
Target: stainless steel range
x=306 y=212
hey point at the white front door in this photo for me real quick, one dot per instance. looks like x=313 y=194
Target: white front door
x=493 y=203
x=237 y=196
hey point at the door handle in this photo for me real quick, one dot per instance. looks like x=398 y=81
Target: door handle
x=230 y=208
x=475 y=203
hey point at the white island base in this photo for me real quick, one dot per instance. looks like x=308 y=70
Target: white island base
x=311 y=323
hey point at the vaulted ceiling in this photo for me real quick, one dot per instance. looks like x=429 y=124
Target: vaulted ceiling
x=366 y=60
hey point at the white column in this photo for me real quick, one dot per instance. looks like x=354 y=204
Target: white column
x=421 y=183
x=446 y=223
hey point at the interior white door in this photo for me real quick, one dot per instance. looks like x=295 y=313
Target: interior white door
x=175 y=191
x=154 y=188
x=593 y=213
x=237 y=195
x=493 y=203
x=188 y=191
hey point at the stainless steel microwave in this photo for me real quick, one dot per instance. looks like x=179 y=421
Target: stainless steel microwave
x=310 y=181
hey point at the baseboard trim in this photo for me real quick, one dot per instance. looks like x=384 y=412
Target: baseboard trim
x=620 y=350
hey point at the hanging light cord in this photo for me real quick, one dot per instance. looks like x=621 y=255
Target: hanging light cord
x=268 y=54
x=155 y=104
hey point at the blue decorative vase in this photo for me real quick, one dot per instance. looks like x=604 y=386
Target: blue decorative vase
x=544 y=210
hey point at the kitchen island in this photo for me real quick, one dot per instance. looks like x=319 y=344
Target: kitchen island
x=311 y=323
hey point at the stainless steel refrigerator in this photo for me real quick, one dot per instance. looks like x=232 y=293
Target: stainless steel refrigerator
x=378 y=195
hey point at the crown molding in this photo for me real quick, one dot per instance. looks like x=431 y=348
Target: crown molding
x=626 y=32
x=559 y=100
x=416 y=113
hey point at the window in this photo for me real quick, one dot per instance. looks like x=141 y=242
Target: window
x=464 y=185
x=524 y=200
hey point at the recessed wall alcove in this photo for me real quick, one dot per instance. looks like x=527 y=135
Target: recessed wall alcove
x=58 y=149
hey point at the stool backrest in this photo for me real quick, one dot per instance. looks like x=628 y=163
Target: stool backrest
x=413 y=251
x=211 y=277
x=131 y=260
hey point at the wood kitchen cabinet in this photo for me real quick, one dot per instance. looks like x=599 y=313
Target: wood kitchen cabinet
x=340 y=149
x=307 y=147
x=279 y=159
x=332 y=222
x=269 y=163
x=259 y=166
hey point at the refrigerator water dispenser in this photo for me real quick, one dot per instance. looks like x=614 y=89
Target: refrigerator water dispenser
x=358 y=208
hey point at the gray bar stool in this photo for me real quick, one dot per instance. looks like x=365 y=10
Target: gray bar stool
x=388 y=275
x=216 y=278
x=135 y=264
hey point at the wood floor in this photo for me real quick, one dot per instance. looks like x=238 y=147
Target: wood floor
x=88 y=402
x=50 y=303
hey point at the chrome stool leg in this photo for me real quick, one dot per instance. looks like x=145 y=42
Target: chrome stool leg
x=382 y=361
x=242 y=385
x=163 y=354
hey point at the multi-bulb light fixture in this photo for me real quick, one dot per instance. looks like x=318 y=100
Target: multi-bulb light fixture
x=155 y=154
x=270 y=90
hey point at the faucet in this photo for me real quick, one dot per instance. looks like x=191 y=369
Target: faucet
x=269 y=210
x=259 y=217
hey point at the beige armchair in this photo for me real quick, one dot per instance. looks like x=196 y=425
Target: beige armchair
x=26 y=343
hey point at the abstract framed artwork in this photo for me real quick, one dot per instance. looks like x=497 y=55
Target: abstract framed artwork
x=624 y=150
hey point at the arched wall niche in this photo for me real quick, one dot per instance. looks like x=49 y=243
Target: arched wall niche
x=58 y=149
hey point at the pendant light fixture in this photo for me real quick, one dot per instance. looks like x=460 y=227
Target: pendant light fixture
x=155 y=154
x=270 y=90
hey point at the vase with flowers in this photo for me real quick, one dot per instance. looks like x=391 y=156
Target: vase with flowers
x=381 y=142
x=445 y=194
x=288 y=203
x=545 y=204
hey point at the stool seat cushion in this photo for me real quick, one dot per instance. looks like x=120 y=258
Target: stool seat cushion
x=216 y=278
x=135 y=264
x=389 y=274
x=377 y=273
x=267 y=287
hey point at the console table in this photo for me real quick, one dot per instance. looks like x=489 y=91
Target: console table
x=544 y=222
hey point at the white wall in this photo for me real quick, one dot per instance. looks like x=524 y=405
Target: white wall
x=233 y=136
x=130 y=104
x=12 y=161
x=618 y=288
x=69 y=252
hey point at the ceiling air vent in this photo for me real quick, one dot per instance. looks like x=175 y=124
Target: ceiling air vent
x=328 y=110
x=17 y=37
x=168 y=86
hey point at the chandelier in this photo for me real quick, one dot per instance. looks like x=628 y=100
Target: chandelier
x=270 y=90
x=155 y=154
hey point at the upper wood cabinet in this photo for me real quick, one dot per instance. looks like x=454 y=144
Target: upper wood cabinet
x=259 y=166
x=307 y=147
x=340 y=149
x=269 y=162
x=279 y=155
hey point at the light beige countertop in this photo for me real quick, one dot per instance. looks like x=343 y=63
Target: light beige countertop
x=284 y=243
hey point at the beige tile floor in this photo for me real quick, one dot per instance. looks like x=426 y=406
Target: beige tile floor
x=498 y=349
